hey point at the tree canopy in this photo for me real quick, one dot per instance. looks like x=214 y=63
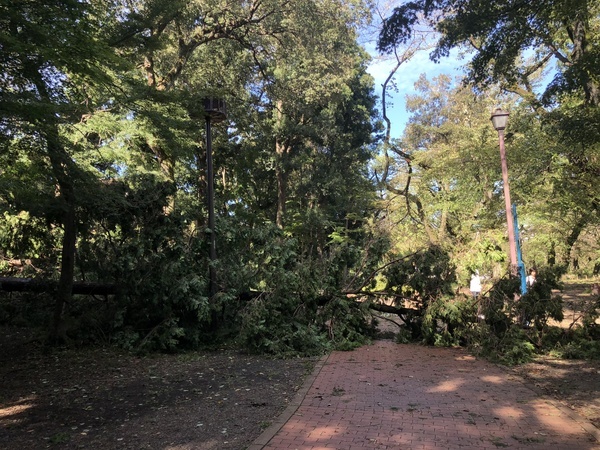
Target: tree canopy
x=321 y=216
x=513 y=40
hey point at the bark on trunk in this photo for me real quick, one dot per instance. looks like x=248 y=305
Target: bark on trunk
x=67 y=270
x=282 y=151
x=578 y=34
x=62 y=170
x=572 y=239
x=67 y=266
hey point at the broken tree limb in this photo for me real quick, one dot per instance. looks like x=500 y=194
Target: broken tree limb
x=381 y=307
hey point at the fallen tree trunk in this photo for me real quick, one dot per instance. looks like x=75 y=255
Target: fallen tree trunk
x=323 y=300
x=14 y=284
x=381 y=307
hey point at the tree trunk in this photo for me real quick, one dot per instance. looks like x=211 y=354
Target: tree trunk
x=572 y=239
x=60 y=161
x=581 y=51
x=13 y=284
x=282 y=151
x=552 y=255
x=67 y=270
x=281 y=199
x=62 y=170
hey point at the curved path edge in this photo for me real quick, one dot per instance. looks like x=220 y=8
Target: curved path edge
x=291 y=409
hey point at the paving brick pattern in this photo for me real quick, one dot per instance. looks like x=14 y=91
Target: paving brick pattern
x=394 y=396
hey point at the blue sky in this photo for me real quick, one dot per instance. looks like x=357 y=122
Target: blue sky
x=409 y=72
x=405 y=78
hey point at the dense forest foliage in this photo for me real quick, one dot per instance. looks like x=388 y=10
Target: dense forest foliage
x=321 y=217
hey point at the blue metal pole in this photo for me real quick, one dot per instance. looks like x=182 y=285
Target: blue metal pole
x=520 y=264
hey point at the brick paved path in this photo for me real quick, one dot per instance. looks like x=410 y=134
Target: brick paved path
x=394 y=396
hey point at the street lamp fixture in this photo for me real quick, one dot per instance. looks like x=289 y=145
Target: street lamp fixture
x=214 y=111
x=499 y=121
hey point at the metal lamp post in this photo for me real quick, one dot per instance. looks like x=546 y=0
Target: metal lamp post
x=214 y=111
x=499 y=119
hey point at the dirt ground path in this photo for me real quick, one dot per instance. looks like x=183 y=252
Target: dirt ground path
x=577 y=297
x=575 y=383
x=103 y=399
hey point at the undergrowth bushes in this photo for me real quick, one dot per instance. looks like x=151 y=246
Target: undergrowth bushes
x=298 y=310
x=278 y=296
x=513 y=329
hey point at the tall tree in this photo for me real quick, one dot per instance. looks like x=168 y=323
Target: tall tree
x=165 y=39
x=52 y=59
x=114 y=120
x=310 y=68
x=452 y=197
x=518 y=45
x=512 y=40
